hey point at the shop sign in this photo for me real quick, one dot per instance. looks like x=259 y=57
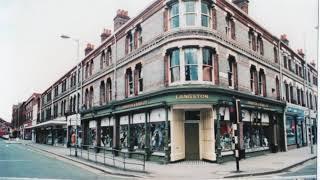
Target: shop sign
x=257 y=104
x=192 y=96
x=132 y=105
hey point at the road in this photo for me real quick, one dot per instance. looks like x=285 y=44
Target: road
x=19 y=162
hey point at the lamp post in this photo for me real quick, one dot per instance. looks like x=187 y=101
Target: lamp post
x=79 y=83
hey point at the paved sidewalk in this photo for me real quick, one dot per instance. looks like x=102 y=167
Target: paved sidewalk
x=265 y=164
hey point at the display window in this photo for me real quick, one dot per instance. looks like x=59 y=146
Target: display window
x=225 y=135
x=255 y=135
x=157 y=133
x=291 y=130
x=138 y=134
x=107 y=136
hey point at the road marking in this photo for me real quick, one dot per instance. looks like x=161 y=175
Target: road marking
x=27 y=178
x=5 y=160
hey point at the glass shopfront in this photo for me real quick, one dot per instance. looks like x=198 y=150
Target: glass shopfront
x=294 y=127
x=124 y=132
x=107 y=133
x=291 y=130
x=138 y=132
x=157 y=132
x=226 y=135
x=92 y=133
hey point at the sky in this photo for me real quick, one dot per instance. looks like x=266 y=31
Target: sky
x=33 y=56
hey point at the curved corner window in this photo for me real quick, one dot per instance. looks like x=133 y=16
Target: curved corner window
x=207 y=64
x=190 y=13
x=191 y=64
x=174 y=16
x=205 y=15
x=175 y=65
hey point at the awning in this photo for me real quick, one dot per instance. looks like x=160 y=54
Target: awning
x=49 y=123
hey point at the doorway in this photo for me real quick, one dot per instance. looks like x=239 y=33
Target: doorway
x=192 y=150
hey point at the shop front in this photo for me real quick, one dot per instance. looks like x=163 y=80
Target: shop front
x=295 y=128
x=51 y=133
x=185 y=124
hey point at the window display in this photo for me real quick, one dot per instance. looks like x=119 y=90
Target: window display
x=123 y=136
x=255 y=135
x=157 y=133
x=225 y=135
x=291 y=130
x=92 y=136
x=138 y=136
x=107 y=136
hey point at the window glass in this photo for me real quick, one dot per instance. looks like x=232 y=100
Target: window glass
x=157 y=134
x=205 y=15
x=191 y=64
x=174 y=12
x=207 y=64
x=190 y=13
x=175 y=65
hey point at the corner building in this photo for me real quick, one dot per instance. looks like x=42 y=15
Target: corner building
x=164 y=81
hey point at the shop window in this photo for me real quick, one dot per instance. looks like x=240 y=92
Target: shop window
x=157 y=134
x=256 y=135
x=124 y=134
x=225 y=135
x=205 y=14
x=175 y=65
x=190 y=13
x=207 y=64
x=107 y=134
x=191 y=64
x=137 y=135
x=109 y=90
x=174 y=16
x=102 y=93
x=291 y=130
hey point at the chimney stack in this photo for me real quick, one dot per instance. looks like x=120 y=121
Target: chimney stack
x=105 y=34
x=301 y=53
x=120 y=19
x=284 y=39
x=88 y=49
x=242 y=4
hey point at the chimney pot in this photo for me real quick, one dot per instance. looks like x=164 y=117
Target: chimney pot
x=242 y=4
x=121 y=18
x=284 y=39
x=105 y=34
x=88 y=49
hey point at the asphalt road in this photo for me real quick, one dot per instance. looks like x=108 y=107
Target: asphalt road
x=18 y=162
x=309 y=168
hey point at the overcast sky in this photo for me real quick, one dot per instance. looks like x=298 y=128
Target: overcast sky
x=33 y=56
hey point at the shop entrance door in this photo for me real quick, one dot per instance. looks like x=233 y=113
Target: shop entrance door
x=191 y=129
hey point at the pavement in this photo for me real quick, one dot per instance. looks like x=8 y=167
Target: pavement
x=21 y=162
x=255 y=166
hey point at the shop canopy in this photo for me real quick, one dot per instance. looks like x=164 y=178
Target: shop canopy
x=48 y=123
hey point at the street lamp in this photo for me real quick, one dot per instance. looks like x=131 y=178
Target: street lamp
x=79 y=83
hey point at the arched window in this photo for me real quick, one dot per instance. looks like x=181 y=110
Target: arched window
x=109 y=57
x=253 y=80
x=91 y=97
x=102 y=59
x=262 y=83
x=129 y=43
x=138 y=79
x=138 y=37
x=231 y=27
x=109 y=90
x=232 y=72
x=91 y=67
x=129 y=83
x=70 y=105
x=291 y=94
x=87 y=70
x=86 y=99
x=102 y=93
x=298 y=96
x=277 y=88
x=260 y=46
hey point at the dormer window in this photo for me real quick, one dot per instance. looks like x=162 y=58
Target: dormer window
x=174 y=16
